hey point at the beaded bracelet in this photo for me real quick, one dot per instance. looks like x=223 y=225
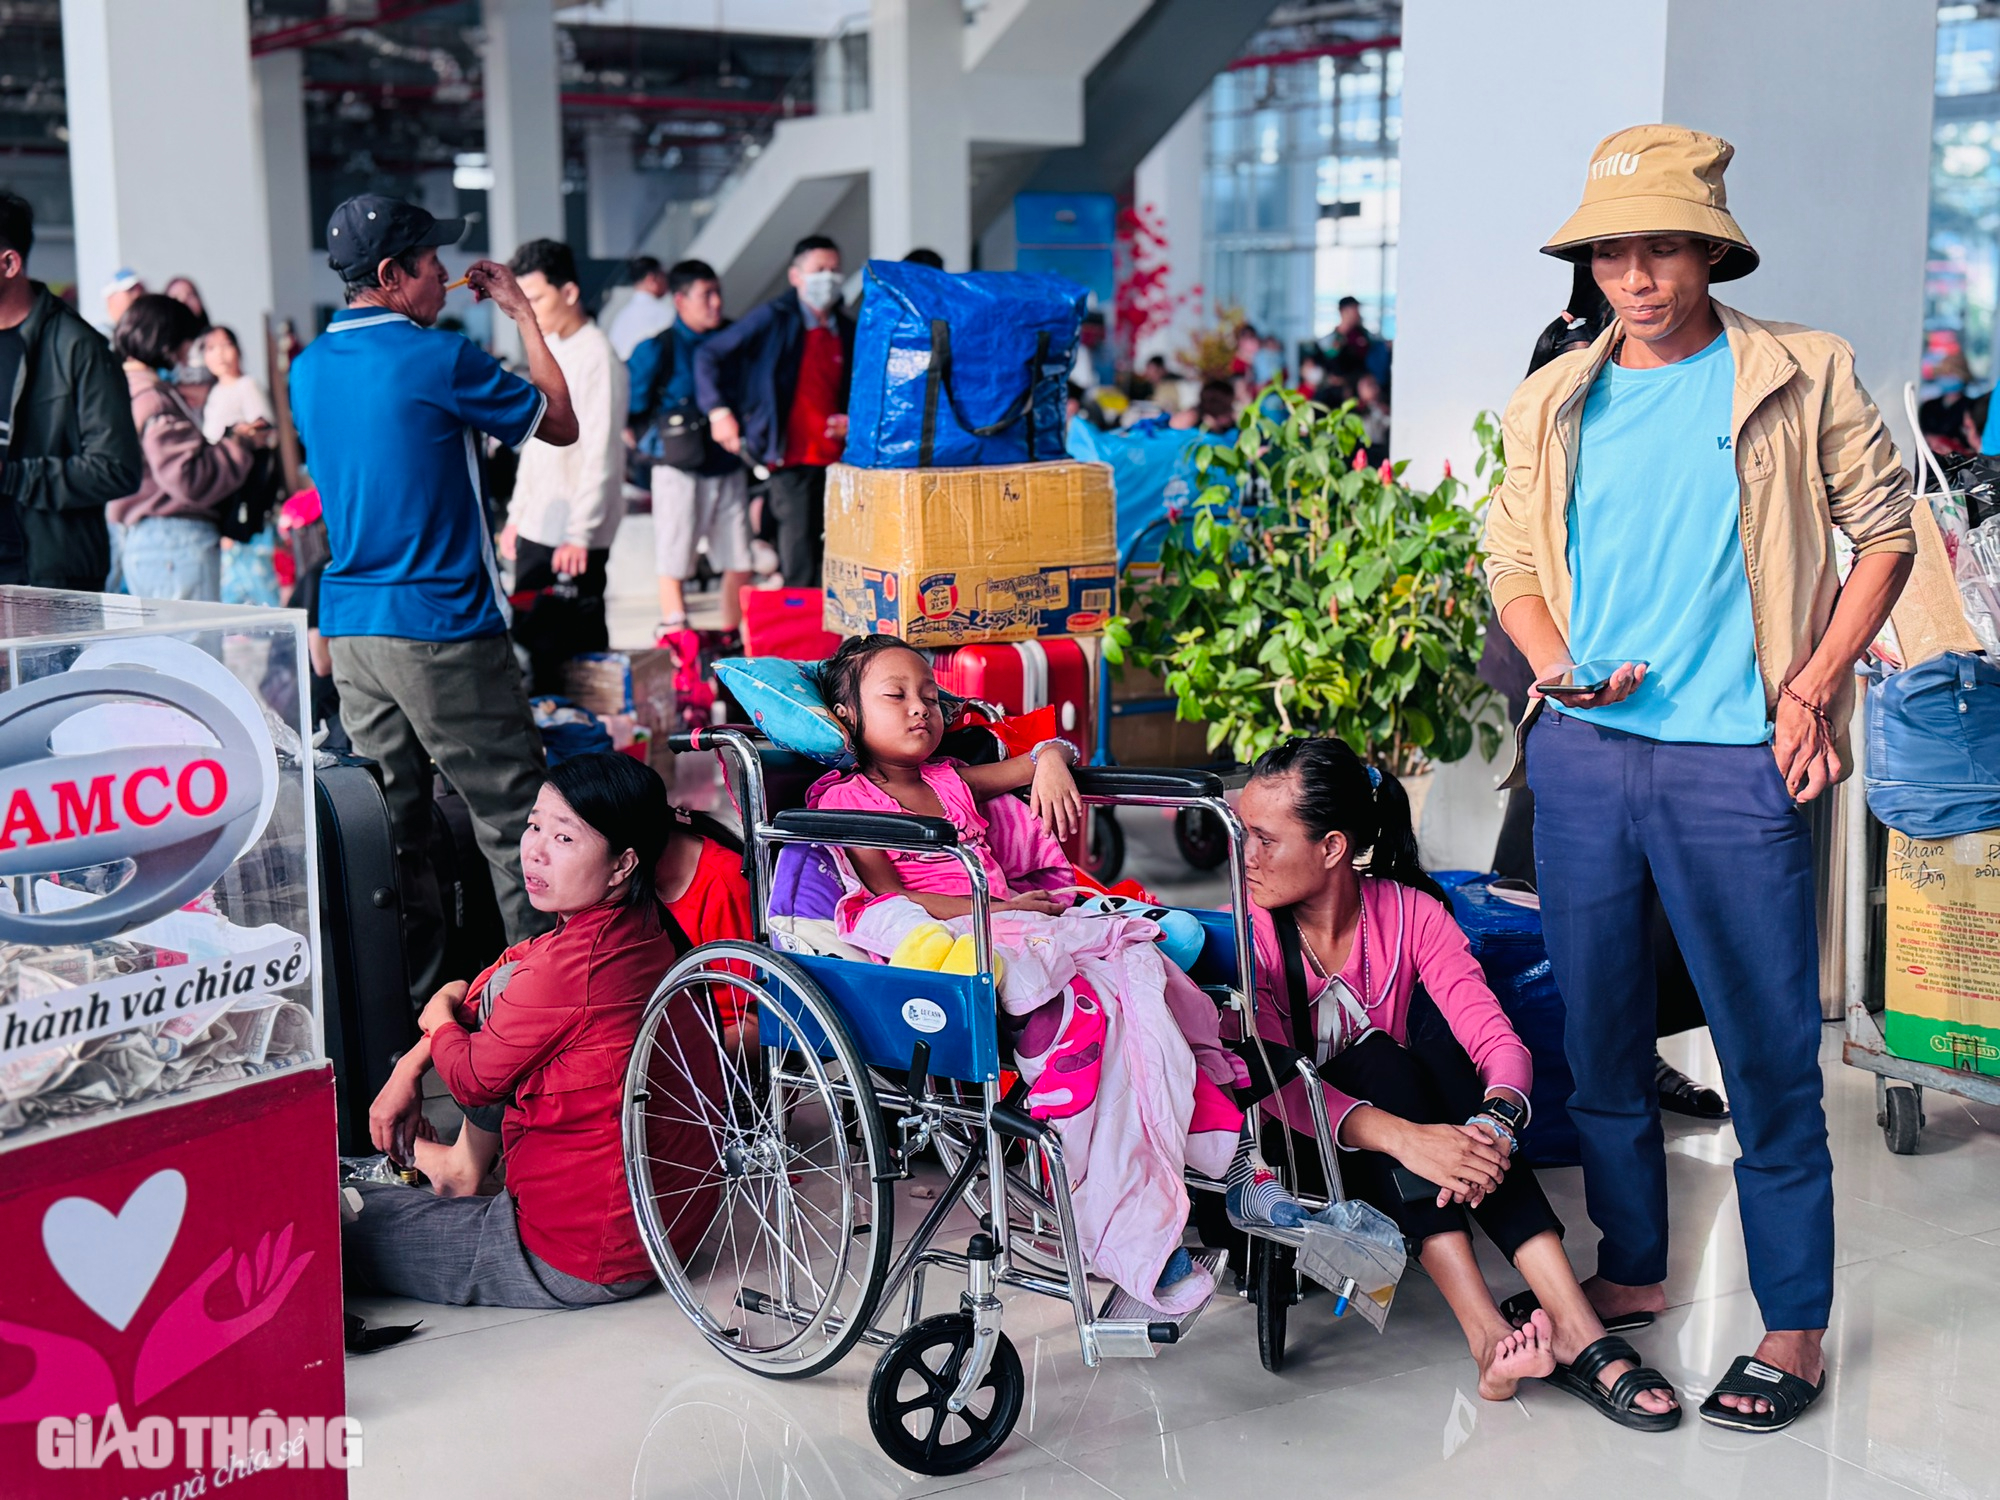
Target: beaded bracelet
x=1498 y=1131
x=1818 y=713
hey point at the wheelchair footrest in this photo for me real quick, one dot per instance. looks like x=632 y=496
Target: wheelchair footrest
x=1128 y=1329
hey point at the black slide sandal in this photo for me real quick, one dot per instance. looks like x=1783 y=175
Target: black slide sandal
x=1749 y=1376
x=1517 y=1308
x=1618 y=1402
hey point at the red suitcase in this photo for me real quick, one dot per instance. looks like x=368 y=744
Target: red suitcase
x=1025 y=676
x=787 y=623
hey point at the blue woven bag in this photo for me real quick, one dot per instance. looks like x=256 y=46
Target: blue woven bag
x=960 y=371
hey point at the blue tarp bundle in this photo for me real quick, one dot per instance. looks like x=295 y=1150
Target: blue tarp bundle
x=1152 y=470
x=960 y=371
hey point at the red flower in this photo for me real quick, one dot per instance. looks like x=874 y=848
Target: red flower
x=1447 y=468
x=1360 y=459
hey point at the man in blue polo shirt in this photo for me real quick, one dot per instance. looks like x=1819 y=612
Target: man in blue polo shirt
x=411 y=604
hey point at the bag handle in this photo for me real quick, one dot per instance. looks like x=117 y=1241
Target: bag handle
x=939 y=379
x=1295 y=980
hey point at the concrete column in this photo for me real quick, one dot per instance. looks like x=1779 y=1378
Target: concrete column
x=1168 y=182
x=523 y=124
x=181 y=201
x=920 y=186
x=278 y=97
x=613 y=189
x=1828 y=103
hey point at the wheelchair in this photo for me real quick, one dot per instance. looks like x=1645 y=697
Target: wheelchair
x=772 y=1222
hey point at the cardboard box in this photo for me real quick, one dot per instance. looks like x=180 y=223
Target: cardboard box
x=638 y=683
x=1943 y=980
x=1154 y=738
x=954 y=557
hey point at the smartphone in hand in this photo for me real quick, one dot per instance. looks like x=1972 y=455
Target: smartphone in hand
x=1584 y=680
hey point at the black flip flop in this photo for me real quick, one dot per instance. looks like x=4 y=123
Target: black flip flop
x=1749 y=1376
x=1517 y=1308
x=1619 y=1401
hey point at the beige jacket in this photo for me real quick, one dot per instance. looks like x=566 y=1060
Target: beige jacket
x=1811 y=455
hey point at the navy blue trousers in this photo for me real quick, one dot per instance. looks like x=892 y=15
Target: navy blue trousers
x=1712 y=829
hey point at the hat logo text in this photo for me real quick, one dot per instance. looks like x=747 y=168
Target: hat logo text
x=1617 y=164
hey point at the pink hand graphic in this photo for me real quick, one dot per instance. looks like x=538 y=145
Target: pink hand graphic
x=185 y=1337
x=70 y=1377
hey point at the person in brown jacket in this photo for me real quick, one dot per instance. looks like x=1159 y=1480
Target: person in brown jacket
x=165 y=534
x=1662 y=552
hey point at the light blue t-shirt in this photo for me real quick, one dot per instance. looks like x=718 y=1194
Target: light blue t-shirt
x=1656 y=553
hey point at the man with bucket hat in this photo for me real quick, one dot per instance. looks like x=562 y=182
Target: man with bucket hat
x=1666 y=527
x=412 y=608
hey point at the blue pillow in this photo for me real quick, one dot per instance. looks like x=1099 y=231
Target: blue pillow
x=783 y=701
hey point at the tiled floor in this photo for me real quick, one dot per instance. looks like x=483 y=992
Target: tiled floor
x=627 y=1400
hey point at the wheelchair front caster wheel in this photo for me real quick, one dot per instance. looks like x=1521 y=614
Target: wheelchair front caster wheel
x=1203 y=841
x=917 y=1374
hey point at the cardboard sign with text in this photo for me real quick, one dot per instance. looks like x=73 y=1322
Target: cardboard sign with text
x=170 y=1318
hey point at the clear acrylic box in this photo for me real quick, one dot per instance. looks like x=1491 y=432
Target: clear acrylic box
x=159 y=897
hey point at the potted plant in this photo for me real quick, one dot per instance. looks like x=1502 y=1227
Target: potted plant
x=1309 y=592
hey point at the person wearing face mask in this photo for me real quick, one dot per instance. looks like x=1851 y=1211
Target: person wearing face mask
x=774 y=386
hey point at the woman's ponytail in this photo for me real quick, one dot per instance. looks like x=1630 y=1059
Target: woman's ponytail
x=1339 y=790
x=1394 y=854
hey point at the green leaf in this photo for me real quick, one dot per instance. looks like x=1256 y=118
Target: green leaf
x=1381 y=649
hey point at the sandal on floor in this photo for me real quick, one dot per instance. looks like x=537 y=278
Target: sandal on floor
x=1683 y=1096
x=1749 y=1376
x=1517 y=1308
x=1619 y=1401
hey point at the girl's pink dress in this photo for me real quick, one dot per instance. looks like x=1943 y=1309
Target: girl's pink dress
x=1160 y=1103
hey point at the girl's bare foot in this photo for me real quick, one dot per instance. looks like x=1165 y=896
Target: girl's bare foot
x=1524 y=1354
x=451 y=1171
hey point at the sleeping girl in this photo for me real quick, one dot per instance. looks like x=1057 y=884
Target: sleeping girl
x=1122 y=1050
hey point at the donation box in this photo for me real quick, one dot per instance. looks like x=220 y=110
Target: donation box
x=170 y=1317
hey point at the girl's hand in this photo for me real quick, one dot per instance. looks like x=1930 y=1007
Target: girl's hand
x=1036 y=901
x=1053 y=797
x=1461 y=1159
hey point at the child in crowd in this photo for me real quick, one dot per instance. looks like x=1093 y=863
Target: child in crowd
x=1122 y=1049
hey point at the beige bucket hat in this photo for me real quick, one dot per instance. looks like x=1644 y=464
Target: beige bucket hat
x=1657 y=179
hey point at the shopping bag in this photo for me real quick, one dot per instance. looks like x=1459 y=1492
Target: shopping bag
x=1354 y=1249
x=960 y=371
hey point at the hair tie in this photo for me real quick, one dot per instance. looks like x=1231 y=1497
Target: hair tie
x=1375 y=778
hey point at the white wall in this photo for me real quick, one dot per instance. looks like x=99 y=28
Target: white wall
x=1493 y=159
x=164 y=158
x=278 y=96
x=1169 y=180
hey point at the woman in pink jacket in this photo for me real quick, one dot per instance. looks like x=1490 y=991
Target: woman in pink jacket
x=1362 y=969
x=164 y=537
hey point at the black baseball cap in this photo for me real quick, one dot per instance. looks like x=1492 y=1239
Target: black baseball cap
x=368 y=230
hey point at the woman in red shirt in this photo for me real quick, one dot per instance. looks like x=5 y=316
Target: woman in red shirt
x=547 y=1033
x=701 y=880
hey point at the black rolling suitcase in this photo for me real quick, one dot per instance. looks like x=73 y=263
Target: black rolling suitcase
x=364 y=979
x=474 y=931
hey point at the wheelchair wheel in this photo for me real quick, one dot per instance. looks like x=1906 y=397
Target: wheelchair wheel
x=1274 y=1285
x=1104 y=847
x=906 y=1398
x=1201 y=838
x=756 y=1171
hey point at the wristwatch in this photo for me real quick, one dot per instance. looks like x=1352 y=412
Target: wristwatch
x=1508 y=1112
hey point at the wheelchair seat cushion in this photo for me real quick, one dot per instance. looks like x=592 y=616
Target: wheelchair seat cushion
x=783 y=701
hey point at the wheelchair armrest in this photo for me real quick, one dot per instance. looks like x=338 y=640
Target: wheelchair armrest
x=867 y=830
x=1141 y=781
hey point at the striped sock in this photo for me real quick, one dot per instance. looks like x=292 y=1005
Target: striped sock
x=1256 y=1196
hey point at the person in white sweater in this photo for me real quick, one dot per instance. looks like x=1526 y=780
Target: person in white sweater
x=567 y=501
